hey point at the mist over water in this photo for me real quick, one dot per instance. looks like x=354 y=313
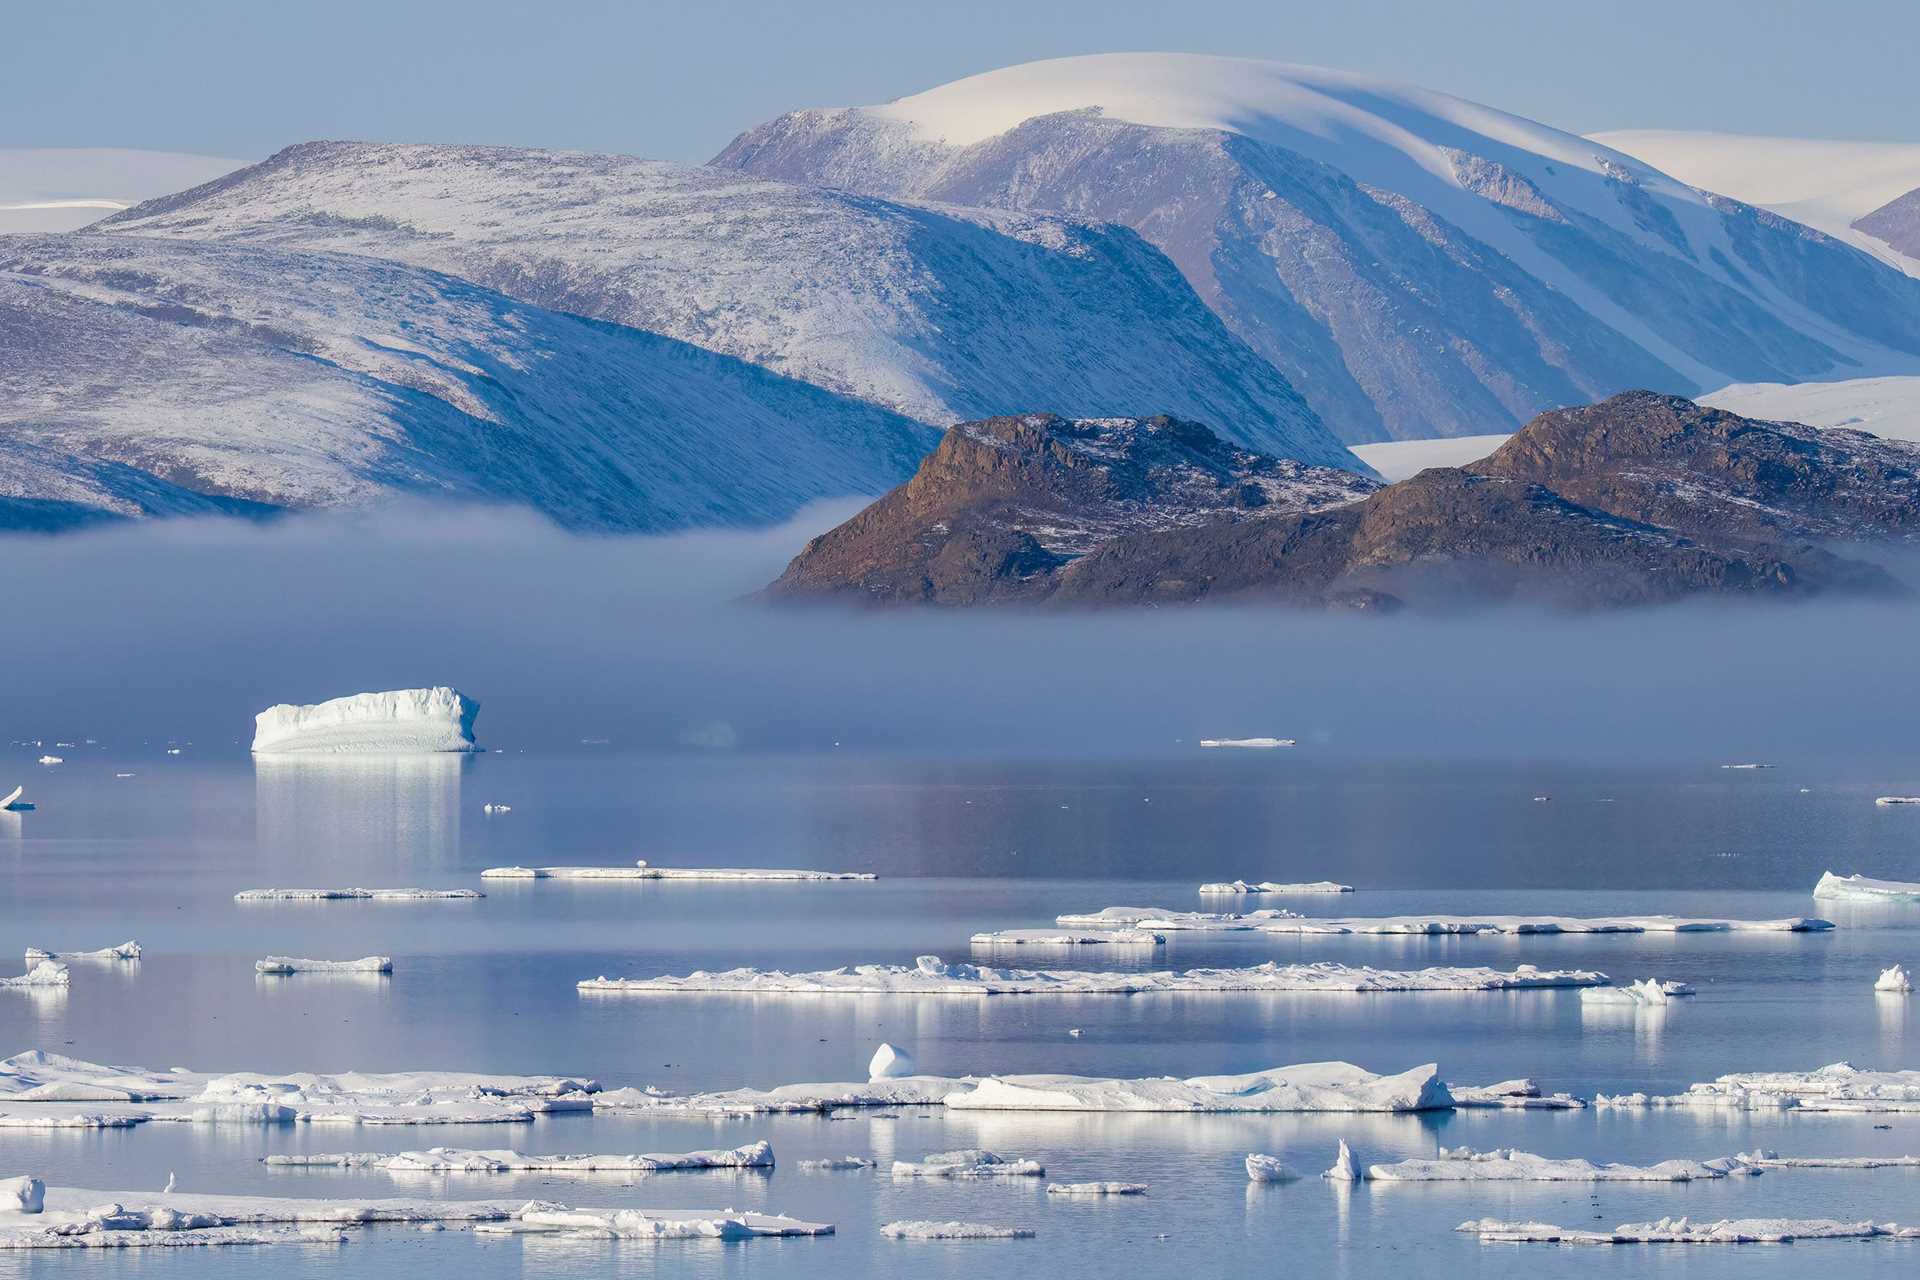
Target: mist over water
x=185 y=629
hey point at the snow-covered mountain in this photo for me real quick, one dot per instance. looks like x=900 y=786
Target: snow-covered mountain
x=153 y=377
x=1416 y=264
x=936 y=313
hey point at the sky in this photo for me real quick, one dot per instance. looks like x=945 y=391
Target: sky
x=241 y=79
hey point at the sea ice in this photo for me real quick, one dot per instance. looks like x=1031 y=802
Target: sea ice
x=1248 y=744
x=1765 y=1159
x=1896 y=980
x=354 y=895
x=1880 y=800
x=889 y=1063
x=920 y=1230
x=44 y=974
x=834 y=1164
x=757 y=1155
x=1261 y=1168
x=1096 y=1188
x=1269 y=886
x=125 y=951
x=1858 y=888
x=1463 y=1164
x=22 y=1195
x=1345 y=1169
x=655 y=1224
x=1320 y=1086
x=404 y=721
x=933 y=976
x=1289 y=922
x=969 y=1163
x=643 y=871
x=293 y=964
x=1685 y=1231
x=1746 y=766
x=1650 y=991
x=51 y=760
x=1840 y=1087
x=1068 y=938
x=1521 y=1095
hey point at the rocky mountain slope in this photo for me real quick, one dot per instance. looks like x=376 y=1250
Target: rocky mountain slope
x=1042 y=510
x=1897 y=223
x=934 y=313
x=1415 y=264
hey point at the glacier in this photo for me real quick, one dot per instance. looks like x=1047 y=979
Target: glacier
x=399 y=722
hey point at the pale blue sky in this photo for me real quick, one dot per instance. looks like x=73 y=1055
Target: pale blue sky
x=676 y=81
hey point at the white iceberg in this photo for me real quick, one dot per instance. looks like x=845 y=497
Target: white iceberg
x=1893 y=800
x=642 y=870
x=932 y=976
x=403 y=721
x=1247 y=744
x=1096 y=1188
x=1289 y=922
x=46 y=973
x=1685 y=1231
x=921 y=1230
x=1463 y=1164
x=756 y=1155
x=1840 y=1087
x=1648 y=992
x=491 y=809
x=1345 y=1167
x=294 y=964
x=22 y=1195
x=998 y=938
x=1895 y=979
x=1262 y=1168
x=125 y=951
x=355 y=895
x=971 y=1163
x=1858 y=888
x=1519 y=1095
x=889 y=1063
x=1273 y=887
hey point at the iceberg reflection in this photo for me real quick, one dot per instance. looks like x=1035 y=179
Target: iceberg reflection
x=382 y=811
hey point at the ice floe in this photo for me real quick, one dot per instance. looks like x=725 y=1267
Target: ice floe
x=652 y=1224
x=125 y=951
x=921 y=1230
x=295 y=964
x=45 y=973
x=1893 y=800
x=932 y=976
x=1246 y=744
x=1649 y=991
x=997 y=938
x=1521 y=1095
x=50 y=760
x=1686 y=1231
x=1289 y=922
x=354 y=895
x=1766 y=1159
x=1345 y=1167
x=836 y=1164
x=1746 y=766
x=1896 y=980
x=1263 y=1168
x=1274 y=887
x=1096 y=1188
x=402 y=721
x=1859 y=888
x=971 y=1163
x=642 y=870
x=756 y=1155
x=1463 y=1164
x=1840 y=1087
x=889 y=1063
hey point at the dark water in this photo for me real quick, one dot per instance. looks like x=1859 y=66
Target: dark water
x=961 y=847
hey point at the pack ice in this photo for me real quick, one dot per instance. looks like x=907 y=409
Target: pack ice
x=1278 y=921
x=931 y=975
x=1859 y=888
x=1269 y=886
x=756 y=1155
x=1840 y=1087
x=1685 y=1231
x=641 y=870
x=401 y=722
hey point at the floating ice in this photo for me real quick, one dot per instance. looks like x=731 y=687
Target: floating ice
x=1269 y=886
x=834 y=1164
x=1247 y=744
x=1881 y=800
x=1858 y=888
x=933 y=976
x=1650 y=991
x=654 y=1224
x=1685 y=1231
x=293 y=964
x=642 y=871
x=1262 y=1168
x=1463 y=1164
x=44 y=974
x=920 y=1230
x=890 y=1063
x=1345 y=1169
x=1521 y=1095
x=1746 y=766
x=354 y=895
x=1288 y=922
x=404 y=721
x=1320 y=1086
x=969 y=1163
x=1764 y=1159
x=1096 y=1188
x=1896 y=979
x=1840 y=1087
x=1068 y=938
x=491 y=809
x=22 y=1195
x=757 y=1155
x=51 y=760
x=125 y=951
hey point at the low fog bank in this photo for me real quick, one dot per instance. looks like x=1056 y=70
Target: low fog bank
x=184 y=630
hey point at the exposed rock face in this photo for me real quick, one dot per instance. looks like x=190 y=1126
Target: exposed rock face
x=1003 y=505
x=1707 y=473
x=1897 y=222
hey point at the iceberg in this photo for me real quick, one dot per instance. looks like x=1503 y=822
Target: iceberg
x=1639 y=995
x=1247 y=744
x=757 y=1155
x=125 y=951
x=1261 y=1168
x=1290 y=922
x=1269 y=886
x=1685 y=1231
x=932 y=976
x=1068 y=938
x=22 y=1195
x=1858 y=888
x=642 y=870
x=1096 y=1188
x=971 y=1163
x=921 y=1230
x=1879 y=800
x=1840 y=1087
x=355 y=895
x=402 y=722
x=1345 y=1168
x=1517 y=1095
x=44 y=974
x=292 y=964
x=889 y=1063
x=52 y=760
x=1463 y=1164
x=1896 y=980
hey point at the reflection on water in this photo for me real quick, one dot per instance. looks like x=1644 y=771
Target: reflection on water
x=388 y=810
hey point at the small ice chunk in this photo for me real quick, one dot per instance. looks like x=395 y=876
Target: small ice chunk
x=295 y=964
x=403 y=721
x=47 y=973
x=51 y=760
x=1859 y=888
x=355 y=895
x=1745 y=765
x=834 y=1164
x=1893 y=800
x=1096 y=1188
x=491 y=809
x=1278 y=889
x=125 y=951
x=923 y=1230
x=889 y=1063
x=1263 y=1168
x=971 y=1163
x=1896 y=980
x=1648 y=992
x=22 y=1195
x=1345 y=1169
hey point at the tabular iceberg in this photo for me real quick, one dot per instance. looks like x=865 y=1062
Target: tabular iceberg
x=281 y=966
x=400 y=722
x=1096 y=1188
x=44 y=974
x=1859 y=888
x=1643 y=994
x=971 y=1163
x=642 y=871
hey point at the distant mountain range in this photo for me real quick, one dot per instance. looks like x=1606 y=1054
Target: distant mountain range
x=1643 y=498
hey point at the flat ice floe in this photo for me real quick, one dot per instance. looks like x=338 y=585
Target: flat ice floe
x=997 y=938
x=45 y=973
x=1686 y=1231
x=756 y=1155
x=971 y=1163
x=1463 y=1164
x=125 y=951
x=932 y=976
x=1645 y=993
x=1289 y=922
x=641 y=870
x=1840 y=1087
x=1265 y=1168
x=921 y=1230
x=295 y=964
x=837 y=1164
x=354 y=895
x=1096 y=1188
x=652 y=1224
x=1893 y=800
x=1246 y=744
x=1858 y=888
x=403 y=721
x=1308 y=888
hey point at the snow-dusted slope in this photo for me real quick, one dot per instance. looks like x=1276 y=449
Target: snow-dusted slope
x=1887 y=407
x=938 y=313
x=1416 y=264
x=147 y=377
x=1825 y=183
x=62 y=188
